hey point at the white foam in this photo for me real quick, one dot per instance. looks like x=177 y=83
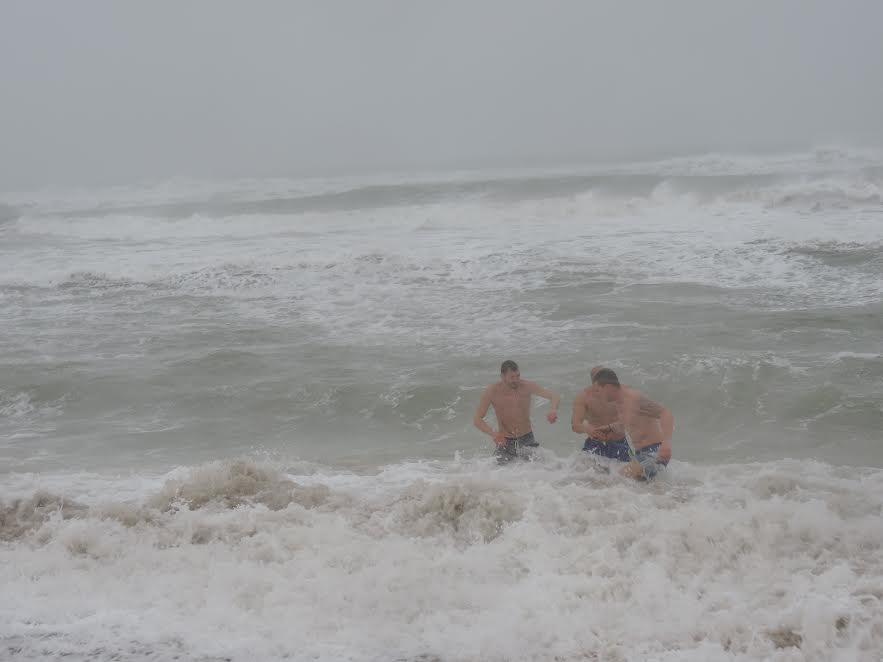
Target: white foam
x=459 y=560
x=839 y=356
x=23 y=419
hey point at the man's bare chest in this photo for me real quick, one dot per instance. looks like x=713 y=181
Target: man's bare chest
x=511 y=401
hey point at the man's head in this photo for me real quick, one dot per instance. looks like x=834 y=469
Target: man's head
x=510 y=374
x=606 y=381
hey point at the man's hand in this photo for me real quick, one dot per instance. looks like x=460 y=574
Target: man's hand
x=552 y=416
x=664 y=452
x=499 y=439
x=599 y=432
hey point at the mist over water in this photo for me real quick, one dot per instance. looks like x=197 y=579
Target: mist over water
x=235 y=417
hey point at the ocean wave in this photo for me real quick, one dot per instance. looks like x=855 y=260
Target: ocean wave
x=819 y=179
x=716 y=562
x=820 y=159
x=231 y=485
x=840 y=254
x=819 y=194
x=21 y=516
x=26 y=404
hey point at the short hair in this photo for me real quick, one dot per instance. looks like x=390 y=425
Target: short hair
x=594 y=371
x=604 y=377
x=508 y=366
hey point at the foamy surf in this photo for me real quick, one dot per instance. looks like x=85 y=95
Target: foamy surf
x=446 y=560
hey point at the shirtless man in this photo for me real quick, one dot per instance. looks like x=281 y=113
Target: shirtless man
x=648 y=425
x=597 y=418
x=510 y=398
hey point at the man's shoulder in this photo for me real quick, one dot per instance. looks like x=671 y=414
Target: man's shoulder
x=531 y=387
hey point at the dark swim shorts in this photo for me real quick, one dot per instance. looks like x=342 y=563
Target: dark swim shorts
x=650 y=463
x=517 y=447
x=615 y=450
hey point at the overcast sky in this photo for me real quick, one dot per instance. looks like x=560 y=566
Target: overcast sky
x=112 y=92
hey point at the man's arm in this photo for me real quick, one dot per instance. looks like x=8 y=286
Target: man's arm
x=609 y=432
x=551 y=396
x=651 y=409
x=478 y=421
x=667 y=423
x=580 y=425
x=577 y=422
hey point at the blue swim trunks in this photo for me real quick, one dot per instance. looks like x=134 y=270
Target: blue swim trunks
x=650 y=463
x=517 y=447
x=615 y=450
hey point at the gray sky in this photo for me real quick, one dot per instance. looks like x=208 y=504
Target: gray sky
x=112 y=92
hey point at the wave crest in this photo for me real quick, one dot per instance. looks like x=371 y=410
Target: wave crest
x=467 y=511
x=231 y=485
